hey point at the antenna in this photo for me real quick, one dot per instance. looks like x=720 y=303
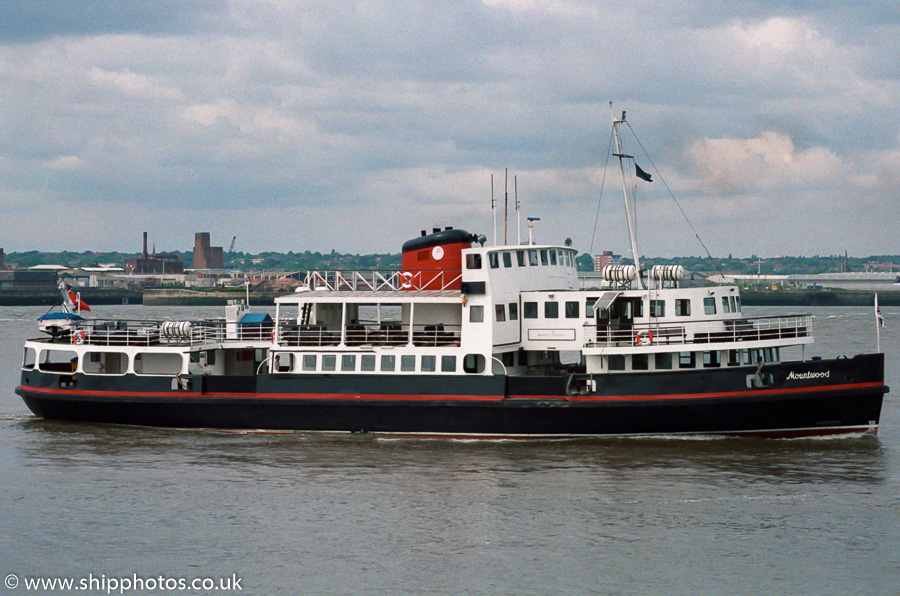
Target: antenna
x=518 y=215
x=505 y=204
x=493 y=209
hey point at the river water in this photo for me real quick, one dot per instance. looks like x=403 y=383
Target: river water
x=292 y=513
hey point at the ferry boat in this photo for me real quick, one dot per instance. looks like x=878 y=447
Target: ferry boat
x=466 y=340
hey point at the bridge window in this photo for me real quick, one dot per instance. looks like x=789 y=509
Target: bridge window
x=532 y=258
x=709 y=306
x=529 y=310
x=520 y=258
x=493 y=260
x=473 y=261
x=513 y=311
x=553 y=257
x=589 y=307
x=428 y=363
x=507 y=259
x=726 y=308
x=682 y=307
x=657 y=308
x=737 y=301
x=571 y=310
x=544 y=260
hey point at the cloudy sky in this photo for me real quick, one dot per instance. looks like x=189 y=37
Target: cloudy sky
x=352 y=125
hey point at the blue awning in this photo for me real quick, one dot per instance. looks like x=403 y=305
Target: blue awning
x=255 y=318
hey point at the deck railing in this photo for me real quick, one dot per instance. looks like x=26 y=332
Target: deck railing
x=700 y=332
x=122 y=332
x=286 y=332
x=375 y=280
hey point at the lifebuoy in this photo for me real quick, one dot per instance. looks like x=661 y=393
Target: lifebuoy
x=643 y=338
x=406 y=280
x=78 y=337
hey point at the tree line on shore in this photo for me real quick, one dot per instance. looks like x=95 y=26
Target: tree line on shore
x=308 y=260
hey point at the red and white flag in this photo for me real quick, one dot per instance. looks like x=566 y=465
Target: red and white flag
x=77 y=302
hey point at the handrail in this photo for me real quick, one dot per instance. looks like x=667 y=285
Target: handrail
x=374 y=280
x=126 y=332
x=701 y=332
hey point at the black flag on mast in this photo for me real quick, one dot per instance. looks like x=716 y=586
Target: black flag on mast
x=641 y=173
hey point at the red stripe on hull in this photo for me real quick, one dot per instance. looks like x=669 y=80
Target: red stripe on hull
x=753 y=392
x=322 y=396
x=467 y=398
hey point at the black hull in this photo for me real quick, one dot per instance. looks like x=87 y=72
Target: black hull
x=811 y=398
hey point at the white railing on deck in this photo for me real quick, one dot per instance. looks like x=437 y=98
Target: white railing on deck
x=375 y=281
x=700 y=332
x=287 y=332
x=122 y=332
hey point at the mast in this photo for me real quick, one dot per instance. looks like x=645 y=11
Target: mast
x=505 y=205
x=518 y=216
x=632 y=228
x=494 y=209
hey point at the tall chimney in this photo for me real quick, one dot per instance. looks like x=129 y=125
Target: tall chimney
x=144 y=256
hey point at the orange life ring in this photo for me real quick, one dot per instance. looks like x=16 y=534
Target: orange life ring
x=78 y=337
x=406 y=280
x=643 y=338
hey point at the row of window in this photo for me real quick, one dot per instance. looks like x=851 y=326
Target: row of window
x=572 y=309
x=534 y=257
x=710 y=359
x=288 y=362
x=104 y=363
x=730 y=304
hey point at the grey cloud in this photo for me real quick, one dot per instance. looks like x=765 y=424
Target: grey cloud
x=31 y=20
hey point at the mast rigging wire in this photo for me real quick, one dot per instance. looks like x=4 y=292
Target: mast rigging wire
x=672 y=196
x=599 y=198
